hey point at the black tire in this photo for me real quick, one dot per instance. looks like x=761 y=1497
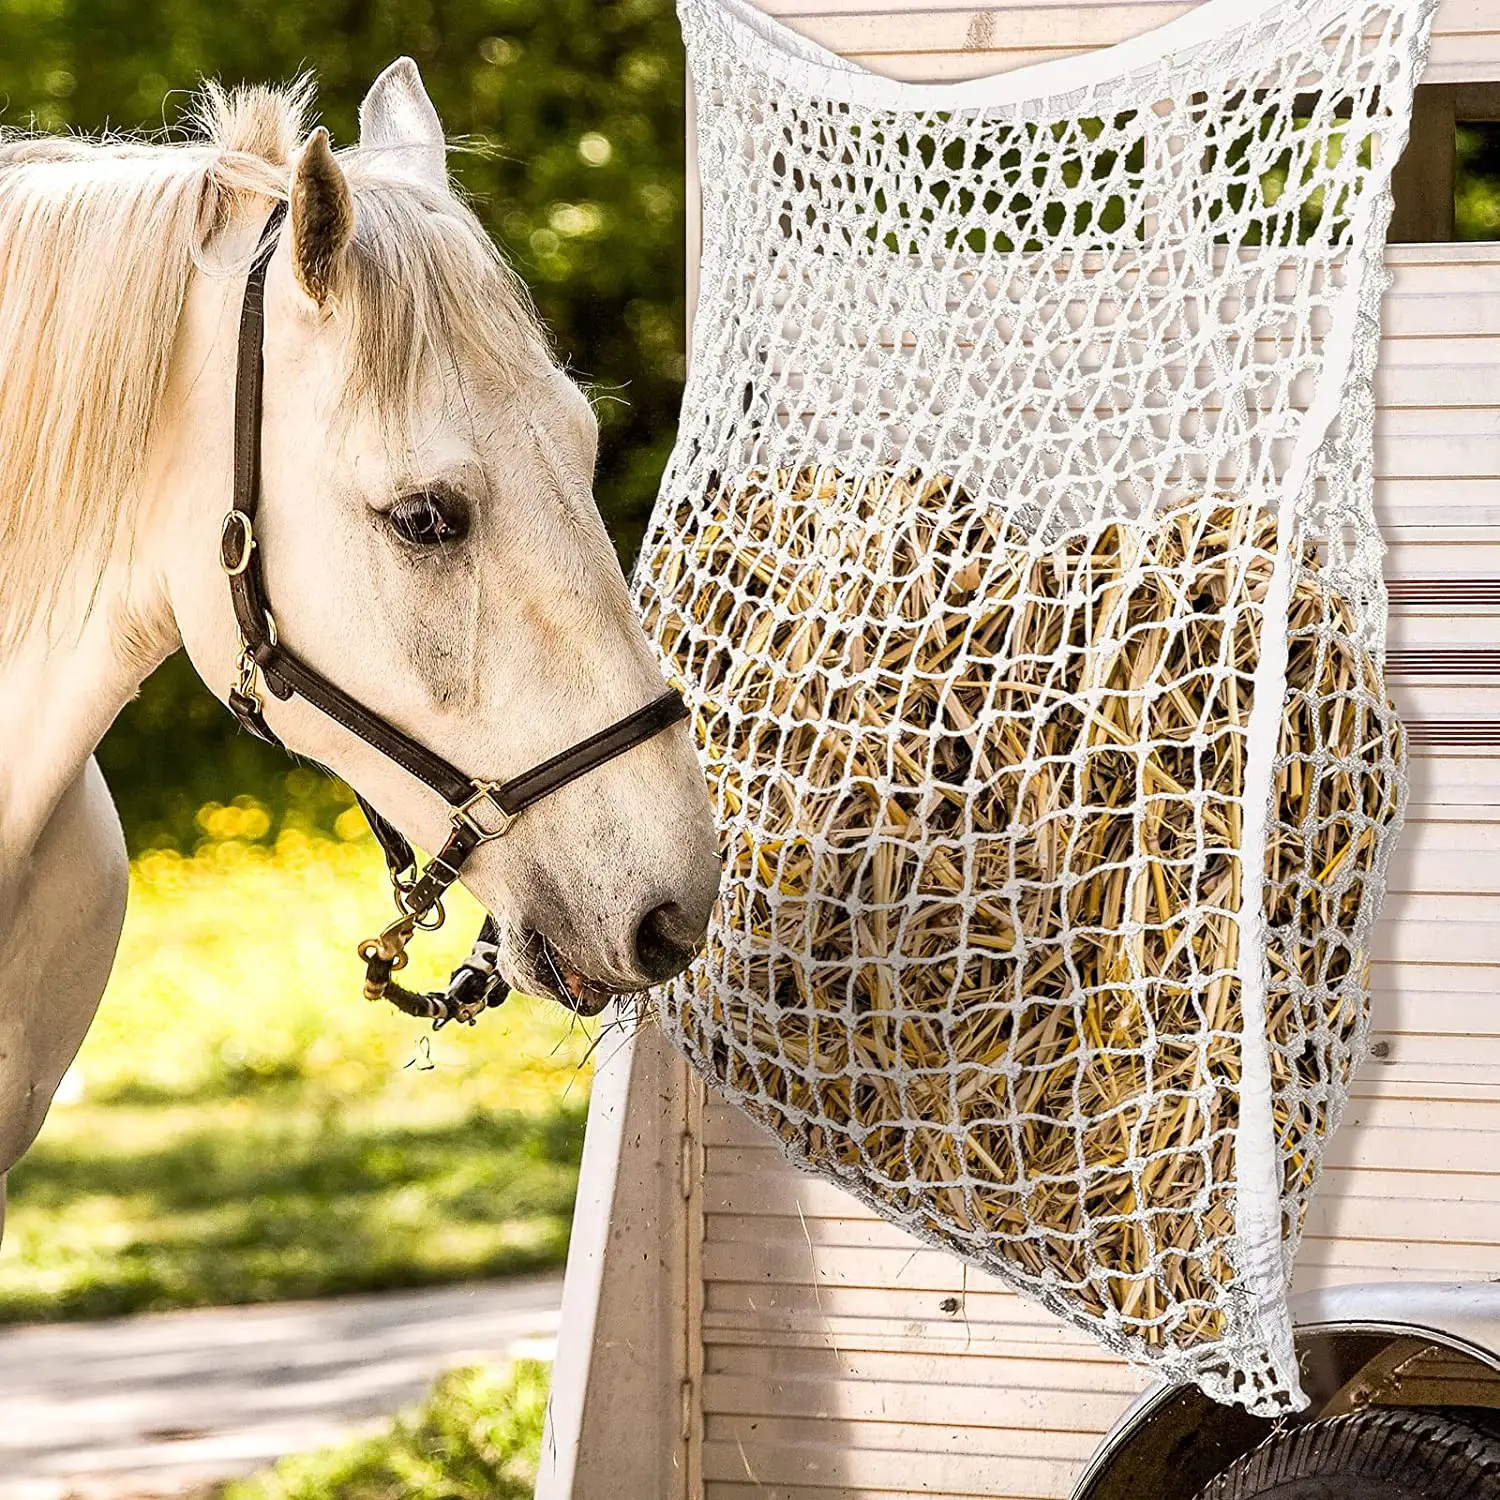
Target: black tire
x=1382 y=1453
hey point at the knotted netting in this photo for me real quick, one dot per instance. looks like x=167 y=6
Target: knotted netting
x=1018 y=557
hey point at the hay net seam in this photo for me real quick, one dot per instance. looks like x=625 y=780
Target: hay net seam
x=1018 y=557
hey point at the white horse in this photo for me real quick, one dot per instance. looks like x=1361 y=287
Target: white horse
x=427 y=528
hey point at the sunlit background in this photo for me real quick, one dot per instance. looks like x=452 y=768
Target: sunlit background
x=241 y=1126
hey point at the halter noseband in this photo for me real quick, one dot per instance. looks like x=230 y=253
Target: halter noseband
x=478 y=810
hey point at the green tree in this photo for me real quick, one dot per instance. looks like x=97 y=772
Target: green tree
x=574 y=111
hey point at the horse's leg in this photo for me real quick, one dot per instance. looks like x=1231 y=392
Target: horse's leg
x=56 y=950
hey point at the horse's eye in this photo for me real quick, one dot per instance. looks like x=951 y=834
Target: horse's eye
x=429 y=519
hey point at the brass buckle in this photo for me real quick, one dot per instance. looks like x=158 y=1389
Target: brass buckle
x=384 y=955
x=232 y=566
x=248 y=669
x=248 y=666
x=463 y=816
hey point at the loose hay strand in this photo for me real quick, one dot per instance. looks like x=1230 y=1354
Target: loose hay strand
x=979 y=943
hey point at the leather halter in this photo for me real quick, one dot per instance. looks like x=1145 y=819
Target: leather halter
x=478 y=810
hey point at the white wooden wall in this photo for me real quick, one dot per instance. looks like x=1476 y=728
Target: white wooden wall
x=830 y=1356
x=939 y=40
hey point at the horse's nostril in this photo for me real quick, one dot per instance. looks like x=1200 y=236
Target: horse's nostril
x=664 y=942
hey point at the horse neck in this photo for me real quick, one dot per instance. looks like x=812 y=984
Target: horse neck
x=66 y=681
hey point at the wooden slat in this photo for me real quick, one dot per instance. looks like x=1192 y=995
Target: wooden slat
x=848 y=1321
x=1443 y=661
x=1466 y=632
x=1414 y=505
x=856 y=1459
x=1454 y=732
x=958 y=1438
x=930 y=1392
x=725 y=1489
x=1410 y=595
x=942 y=41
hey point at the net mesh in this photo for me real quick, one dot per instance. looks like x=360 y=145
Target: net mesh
x=1018 y=557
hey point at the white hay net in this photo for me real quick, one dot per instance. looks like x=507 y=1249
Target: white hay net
x=1018 y=557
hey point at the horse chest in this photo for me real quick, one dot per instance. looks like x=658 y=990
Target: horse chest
x=58 y=932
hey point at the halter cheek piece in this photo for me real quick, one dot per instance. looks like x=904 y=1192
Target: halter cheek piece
x=478 y=810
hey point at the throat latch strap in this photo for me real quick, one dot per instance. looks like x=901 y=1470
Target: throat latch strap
x=478 y=810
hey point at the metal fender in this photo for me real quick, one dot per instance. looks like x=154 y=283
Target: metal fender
x=1426 y=1344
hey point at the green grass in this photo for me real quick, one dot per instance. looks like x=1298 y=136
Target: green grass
x=477 y=1437
x=250 y=1129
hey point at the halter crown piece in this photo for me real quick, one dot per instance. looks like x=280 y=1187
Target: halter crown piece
x=479 y=811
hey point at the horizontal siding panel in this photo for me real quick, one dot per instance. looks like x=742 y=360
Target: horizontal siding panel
x=1447 y=698
x=939 y=40
x=1454 y=782
x=1401 y=940
x=1114 y=19
x=974 y=1367
x=1432 y=1047
x=778 y=1258
x=1442 y=861
x=1417 y=504
x=1380 y=1164
x=1466 y=1097
x=943 y=46
x=1023 y=29
x=858 y=1462
x=1448 y=1221
x=1448 y=1247
x=1452 y=1242
x=1463 y=628
x=1454 y=59
x=914 y=1392
x=1398 y=1148
x=1393 y=1136
x=1448 y=373
x=989 y=1317
x=1386 y=1095
x=952 y=1441
x=1438 y=540
x=722 y=1489
x=740 y=1316
x=1462 y=908
x=1435 y=443
x=1441 y=1015
x=1450 y=1207
x=1472 y=58
x=1340 y=1262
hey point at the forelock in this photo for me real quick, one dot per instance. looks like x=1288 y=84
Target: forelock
x=429 y=295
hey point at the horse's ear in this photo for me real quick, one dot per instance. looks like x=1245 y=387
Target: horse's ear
x=398 y=122
x=322 y=219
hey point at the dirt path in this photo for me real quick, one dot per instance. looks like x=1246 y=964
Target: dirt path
x=157 y=1405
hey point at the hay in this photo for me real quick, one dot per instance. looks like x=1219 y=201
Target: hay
x=977 y=950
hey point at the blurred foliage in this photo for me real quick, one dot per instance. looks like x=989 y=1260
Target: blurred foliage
x=477 y=1437
x=576 y=107
x=241 y=1127
x=1477 y=183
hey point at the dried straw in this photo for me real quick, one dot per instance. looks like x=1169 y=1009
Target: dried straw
x=977 y=952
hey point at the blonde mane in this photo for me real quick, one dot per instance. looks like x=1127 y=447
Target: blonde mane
x=98 y=243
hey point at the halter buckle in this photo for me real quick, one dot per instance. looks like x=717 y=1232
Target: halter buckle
x=497 y=822
x=384 y=955
x=247 y=670
x=236 y=532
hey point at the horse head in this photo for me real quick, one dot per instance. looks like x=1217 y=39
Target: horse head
x=428 y=534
